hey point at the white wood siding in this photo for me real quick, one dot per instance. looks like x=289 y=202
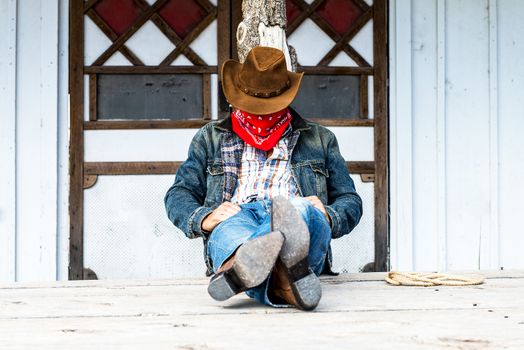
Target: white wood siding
x=33 y=146
x=510 y=131
x=456 y=108
x=457 y=86
x=7 y=140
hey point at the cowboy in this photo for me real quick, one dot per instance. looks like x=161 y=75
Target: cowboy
x=265 y=189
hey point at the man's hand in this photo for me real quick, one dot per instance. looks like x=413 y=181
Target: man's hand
x=222 y=212
x=318 y=204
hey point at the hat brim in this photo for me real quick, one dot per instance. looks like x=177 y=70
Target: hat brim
x=256 y=105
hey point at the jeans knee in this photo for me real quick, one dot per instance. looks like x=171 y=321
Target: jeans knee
x=302 y=205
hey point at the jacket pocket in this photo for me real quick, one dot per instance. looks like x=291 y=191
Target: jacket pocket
x=320 y=169
x=321 y=178
x=312 y=178
x=215 y=183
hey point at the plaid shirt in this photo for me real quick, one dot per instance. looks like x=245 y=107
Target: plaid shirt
x=262 y=177
x=250 y=175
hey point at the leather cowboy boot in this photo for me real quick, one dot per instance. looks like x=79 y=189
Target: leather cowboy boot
x=247 y=268
x=280 y=286
x=293 y=266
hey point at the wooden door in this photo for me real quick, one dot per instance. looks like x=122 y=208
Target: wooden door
x=144 y=78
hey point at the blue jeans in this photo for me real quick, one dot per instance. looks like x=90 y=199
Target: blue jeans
x=254 y=220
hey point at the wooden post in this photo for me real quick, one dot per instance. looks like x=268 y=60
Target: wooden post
x=381 y=137
x=264 y=23
x=76 y=143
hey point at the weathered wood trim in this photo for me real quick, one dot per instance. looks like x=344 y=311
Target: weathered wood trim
x=159 y=168
x=364 y=98
x=89 y=275
x=206 y=4
x=307 y=10
x=143 y=18
x=206 y=96
x=355 y=56
x=336 y=70
x=93 y=87
x=361 y=167
x=113 y=36
x=181 y=47
x=76 y=145
x=362 y=4
x=130 y=168
x=90 y=181
x=214 y=69
x=150 y=70
x=367 y=178
x=8 y=231
x=344 y=122
x=236 y=18
x=145 y=124
x=342 y=42
x=380 y=52
x=197 y=123
x=224 y=44
x=173 y=36
x=89 y=4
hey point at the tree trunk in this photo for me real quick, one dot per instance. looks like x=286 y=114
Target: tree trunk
x=264 y=23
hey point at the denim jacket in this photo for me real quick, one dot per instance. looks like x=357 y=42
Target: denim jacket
x=209 y=176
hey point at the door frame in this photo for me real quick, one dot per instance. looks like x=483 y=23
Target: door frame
x=83 y=175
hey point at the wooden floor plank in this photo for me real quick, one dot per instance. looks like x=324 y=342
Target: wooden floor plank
x=193 y=299
x=356 y=311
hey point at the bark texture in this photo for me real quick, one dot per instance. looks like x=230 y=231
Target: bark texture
x=264 y=23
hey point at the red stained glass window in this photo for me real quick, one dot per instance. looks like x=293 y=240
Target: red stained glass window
x=119 y=15
x=182 y=15
x=292 y=11
x=340 y=14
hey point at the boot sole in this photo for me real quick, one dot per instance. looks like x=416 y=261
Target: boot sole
x=294 y=253
x=254 y=260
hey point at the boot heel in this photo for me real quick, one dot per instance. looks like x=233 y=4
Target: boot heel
x=307 y=291
x=252 y=263
x=220 y=288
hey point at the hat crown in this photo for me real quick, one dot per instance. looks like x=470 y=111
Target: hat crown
x=264 y=73
x=262 y=84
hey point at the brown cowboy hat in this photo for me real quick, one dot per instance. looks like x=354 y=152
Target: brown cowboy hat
x=262 y=84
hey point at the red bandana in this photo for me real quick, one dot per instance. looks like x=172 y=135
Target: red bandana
x=260 y=131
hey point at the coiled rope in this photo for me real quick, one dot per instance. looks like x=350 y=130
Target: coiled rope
x=424 y=279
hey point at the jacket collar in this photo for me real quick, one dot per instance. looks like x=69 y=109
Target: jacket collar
x=297 y=123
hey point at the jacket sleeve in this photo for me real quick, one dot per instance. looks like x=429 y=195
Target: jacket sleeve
x=344 y=204
x=184 y=200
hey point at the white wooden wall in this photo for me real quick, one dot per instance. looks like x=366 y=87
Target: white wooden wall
x=33 y=140
x=457 y=124
x=456 y=92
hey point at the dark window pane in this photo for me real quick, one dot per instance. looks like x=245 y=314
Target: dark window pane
x=328 y=96
x=149 y=96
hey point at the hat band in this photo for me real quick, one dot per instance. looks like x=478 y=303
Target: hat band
x=264 y=94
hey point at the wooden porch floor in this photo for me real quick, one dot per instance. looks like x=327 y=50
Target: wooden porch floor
x=357 y=311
